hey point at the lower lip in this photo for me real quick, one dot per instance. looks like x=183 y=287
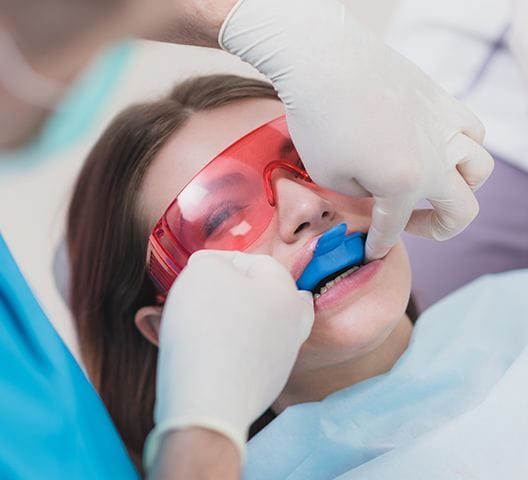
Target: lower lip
x=352 y=284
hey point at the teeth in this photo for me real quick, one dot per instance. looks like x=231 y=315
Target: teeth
x=331 y=283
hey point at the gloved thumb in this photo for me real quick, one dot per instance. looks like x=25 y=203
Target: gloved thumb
x=389 y=218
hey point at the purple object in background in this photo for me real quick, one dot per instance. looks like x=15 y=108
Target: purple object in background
x=495 y=242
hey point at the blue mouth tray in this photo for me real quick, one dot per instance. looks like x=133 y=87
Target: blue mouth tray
x=335 y=250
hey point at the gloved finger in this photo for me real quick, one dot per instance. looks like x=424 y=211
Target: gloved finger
x=220 y=255
x=389 y=218
x=217 y=262
x=220 y=262
x=258 y=266
x=307 y=296
x=307 y=314
x=451 y=214
x=471 y=124
x=348 y=186
x=245 y=263
x=473 y=161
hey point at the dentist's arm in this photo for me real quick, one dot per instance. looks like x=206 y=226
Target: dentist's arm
x=231 y=330
x=190 y=22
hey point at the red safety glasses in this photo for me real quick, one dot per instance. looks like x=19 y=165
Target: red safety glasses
x=227 y=205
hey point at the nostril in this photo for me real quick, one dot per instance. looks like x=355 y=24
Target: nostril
x=301 y=227
x=325 y=214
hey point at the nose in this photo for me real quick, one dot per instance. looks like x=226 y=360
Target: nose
x=302 y=212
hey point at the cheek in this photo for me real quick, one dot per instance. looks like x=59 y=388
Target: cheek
x=363 y=325
x=269 y=244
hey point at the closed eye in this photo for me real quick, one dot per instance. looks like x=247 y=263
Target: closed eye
x=219 y=216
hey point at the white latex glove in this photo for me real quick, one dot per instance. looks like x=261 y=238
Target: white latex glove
x=364 y=118
x=231 y=330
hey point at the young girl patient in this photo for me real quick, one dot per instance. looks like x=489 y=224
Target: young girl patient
x=147 y=156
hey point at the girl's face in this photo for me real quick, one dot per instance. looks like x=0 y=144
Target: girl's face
x=354 y=316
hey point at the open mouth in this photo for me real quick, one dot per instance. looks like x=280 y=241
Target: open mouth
x=329 y=281
x=336 y=256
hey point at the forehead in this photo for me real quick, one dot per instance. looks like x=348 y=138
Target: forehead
x=188 y=150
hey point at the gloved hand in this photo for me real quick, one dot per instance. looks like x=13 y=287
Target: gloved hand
x=231 y=330
x=363 y=118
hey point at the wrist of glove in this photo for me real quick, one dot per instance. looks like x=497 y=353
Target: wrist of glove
x=231 y=330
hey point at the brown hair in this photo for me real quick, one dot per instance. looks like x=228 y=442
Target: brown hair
x=107 y=244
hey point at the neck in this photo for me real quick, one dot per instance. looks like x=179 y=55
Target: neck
x=314 y=385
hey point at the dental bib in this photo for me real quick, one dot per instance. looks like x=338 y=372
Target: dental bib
x=335 y=251
x=452 y=407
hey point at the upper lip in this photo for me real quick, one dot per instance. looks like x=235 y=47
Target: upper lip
x=304 y=257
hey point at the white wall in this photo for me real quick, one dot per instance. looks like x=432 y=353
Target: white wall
x=32 y=205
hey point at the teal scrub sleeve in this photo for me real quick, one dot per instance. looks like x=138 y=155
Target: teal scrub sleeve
x=53 y=425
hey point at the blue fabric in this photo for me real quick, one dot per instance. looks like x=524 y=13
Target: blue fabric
x=53 y=425
x=455 y=405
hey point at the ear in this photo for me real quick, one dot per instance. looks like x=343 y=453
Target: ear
x=148 y=321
